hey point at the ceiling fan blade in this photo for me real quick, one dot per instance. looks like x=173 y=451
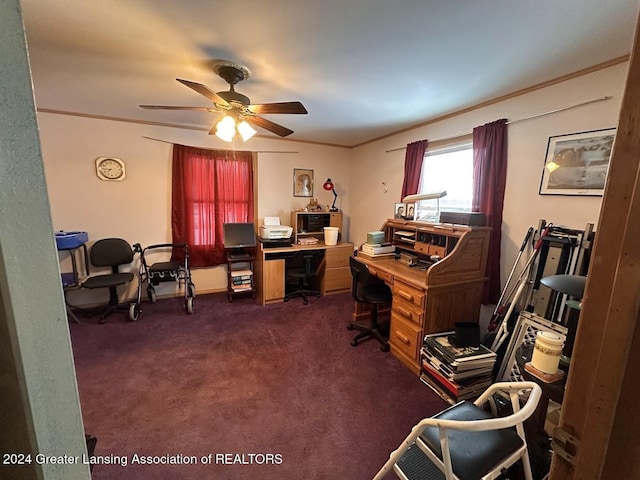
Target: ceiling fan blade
x=268 y=125
x=169 y=107
x=202 y=90
x=281 y=107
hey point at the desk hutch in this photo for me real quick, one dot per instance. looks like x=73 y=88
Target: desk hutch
x=430 y=297
x=311 y=224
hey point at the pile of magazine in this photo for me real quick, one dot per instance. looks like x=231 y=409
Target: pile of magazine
x=454 y=372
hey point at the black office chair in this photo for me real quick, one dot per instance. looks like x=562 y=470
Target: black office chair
x=302 y=274
x=368 y=289
x=110 y=252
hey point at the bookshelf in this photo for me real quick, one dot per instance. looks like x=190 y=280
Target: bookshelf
x=240 y=267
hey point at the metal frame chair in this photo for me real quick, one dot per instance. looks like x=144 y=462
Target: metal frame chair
x=465 y=442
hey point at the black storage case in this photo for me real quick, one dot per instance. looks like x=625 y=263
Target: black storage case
x=471 y=219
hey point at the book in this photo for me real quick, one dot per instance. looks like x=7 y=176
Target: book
x=444 y=394
x=453 y=373
x=545 y=377
x=447 y=397
x=458 y=367
x=237 y=280
x=439 y=342
x=460 y=387
x=378 y=256
x=241 y=288
x=241 y=273
x=377 y=249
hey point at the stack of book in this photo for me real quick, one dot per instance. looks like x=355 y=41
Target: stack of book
x=241 y=280
x=453 y=372
x=374 y=251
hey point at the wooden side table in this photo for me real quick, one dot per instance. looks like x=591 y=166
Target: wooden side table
x=538 y=441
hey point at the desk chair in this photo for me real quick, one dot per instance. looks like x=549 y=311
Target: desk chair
x=466 y=442
x=302 y=274
x=368 y=289
x=110 y=252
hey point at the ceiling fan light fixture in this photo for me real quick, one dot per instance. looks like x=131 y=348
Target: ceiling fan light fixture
x=226 y=129
x=245 y=130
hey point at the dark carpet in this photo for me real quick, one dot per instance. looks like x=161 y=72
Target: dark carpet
x=271 y=392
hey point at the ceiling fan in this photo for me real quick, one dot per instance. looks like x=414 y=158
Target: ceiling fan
x=237 y=108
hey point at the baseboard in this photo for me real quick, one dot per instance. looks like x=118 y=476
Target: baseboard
x=144 y=298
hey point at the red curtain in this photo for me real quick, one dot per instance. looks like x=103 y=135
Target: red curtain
x=489 y=180
x=209 y=188
x=413 y=167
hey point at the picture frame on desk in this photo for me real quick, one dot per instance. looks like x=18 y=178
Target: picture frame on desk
x=302 y=182
x=410 y=209
x=399 y=210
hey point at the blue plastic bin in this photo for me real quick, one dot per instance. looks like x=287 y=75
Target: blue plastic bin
x=69 y=240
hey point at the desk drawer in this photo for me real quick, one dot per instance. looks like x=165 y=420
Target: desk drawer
x=408 y=293
x=384 y=276
x=405 y=335
x=408 y=311
x=337 y=279
x=338 y=256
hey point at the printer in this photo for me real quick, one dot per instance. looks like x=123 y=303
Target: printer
x=272 y=231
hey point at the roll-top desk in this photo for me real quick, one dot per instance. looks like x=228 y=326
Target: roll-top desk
x=430 y=298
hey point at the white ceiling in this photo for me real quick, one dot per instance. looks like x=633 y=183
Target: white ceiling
x=362 y=68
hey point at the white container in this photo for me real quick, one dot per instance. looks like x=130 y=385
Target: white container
x=331 y=235
x=547 y=351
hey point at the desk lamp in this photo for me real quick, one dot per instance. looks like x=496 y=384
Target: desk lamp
x=426 y=196
x=328 y=185
x=573 y=286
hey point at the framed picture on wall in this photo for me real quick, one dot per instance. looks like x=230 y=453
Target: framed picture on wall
x=302 y=182
x=577 y=163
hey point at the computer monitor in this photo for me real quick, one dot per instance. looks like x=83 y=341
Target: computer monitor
x=239 y=235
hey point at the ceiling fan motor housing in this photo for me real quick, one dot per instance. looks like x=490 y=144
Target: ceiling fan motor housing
x=231 y=74
x=232 y=96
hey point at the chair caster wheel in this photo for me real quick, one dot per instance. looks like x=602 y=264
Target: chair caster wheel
x=354 y=343
x=349 y=326
x=286 y=299
x=306 y=302
x=317 y=295
x=384 y=348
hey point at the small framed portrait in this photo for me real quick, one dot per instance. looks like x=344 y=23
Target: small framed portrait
x=302 y=182
x=399 y=210
x=410 y=211
x=577 y=163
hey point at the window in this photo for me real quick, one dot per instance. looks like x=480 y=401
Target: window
x=449 y=169
x=209 y=188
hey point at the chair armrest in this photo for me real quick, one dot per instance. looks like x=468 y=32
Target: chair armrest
x=493 y=423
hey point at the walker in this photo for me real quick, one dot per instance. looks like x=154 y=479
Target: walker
x=171 y=271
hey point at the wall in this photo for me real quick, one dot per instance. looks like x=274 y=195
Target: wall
x=138 y=209
x=39 y=405
x=527 y=146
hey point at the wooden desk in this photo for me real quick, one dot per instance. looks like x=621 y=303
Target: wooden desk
x=333 y=273
x=431 y=300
